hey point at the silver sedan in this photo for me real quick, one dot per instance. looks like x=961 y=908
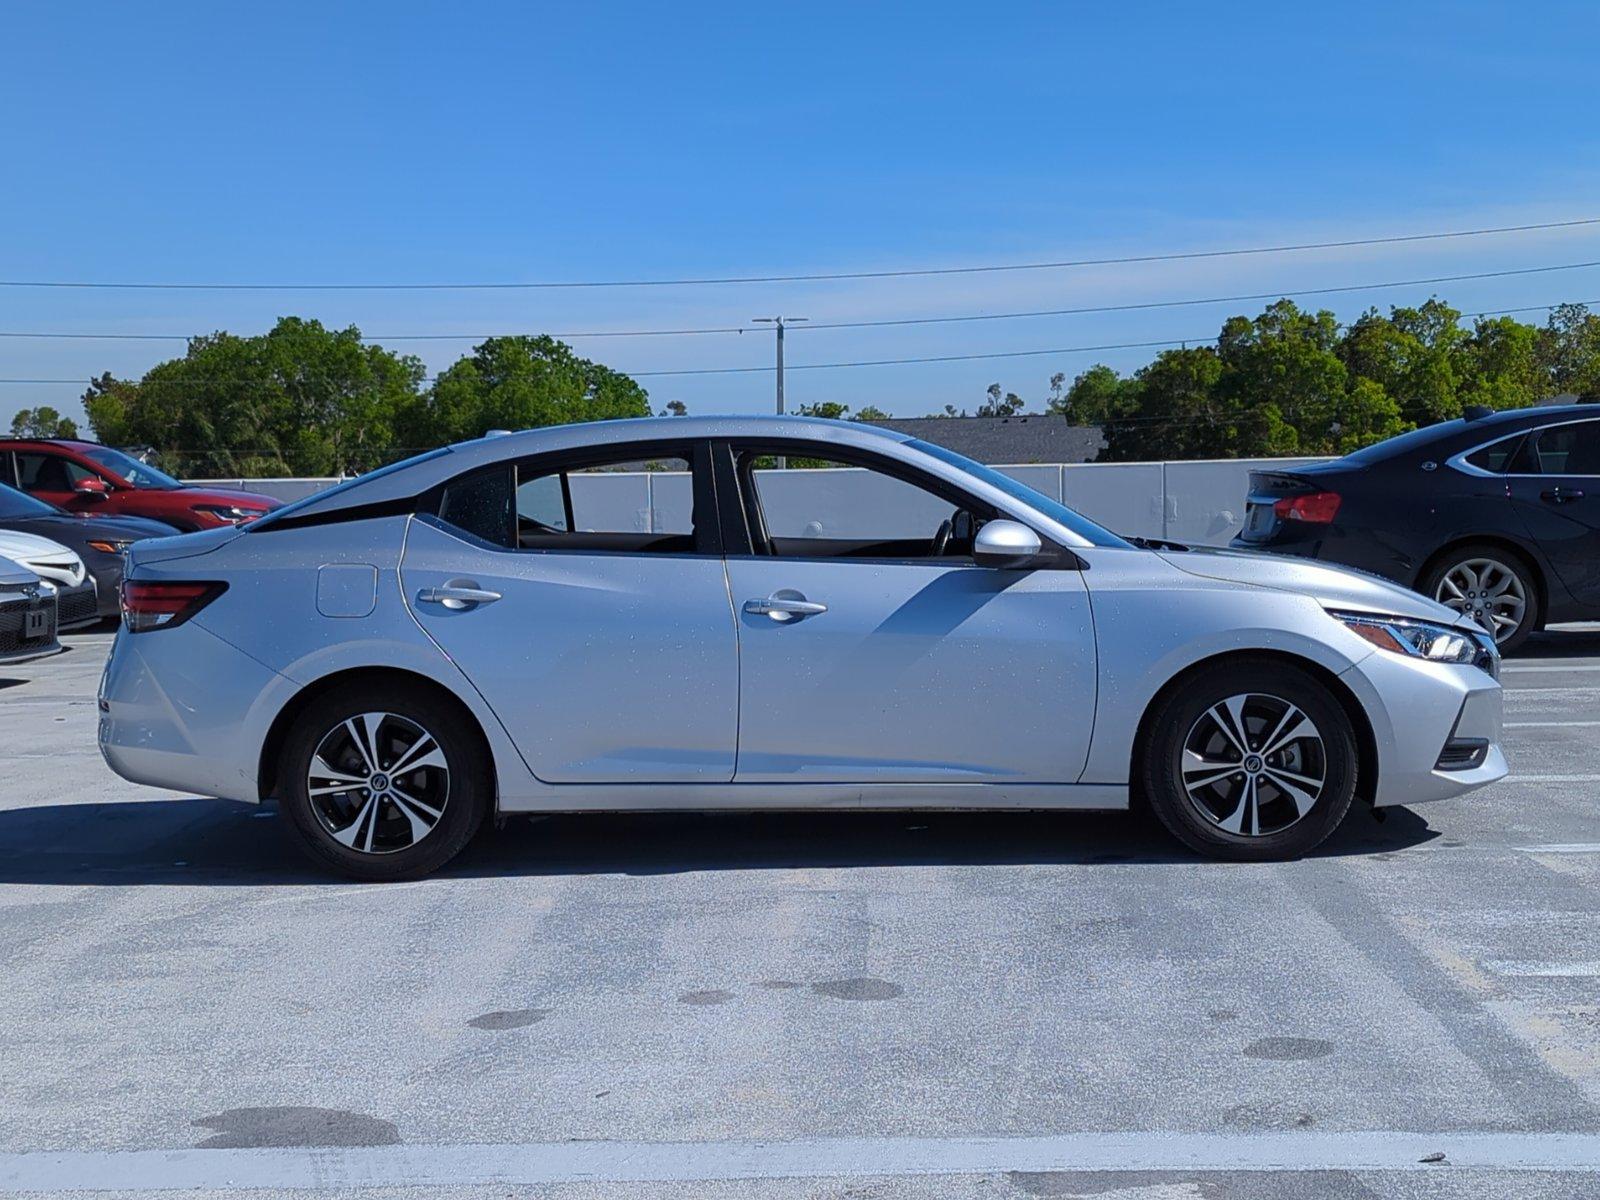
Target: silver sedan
x=649 y=615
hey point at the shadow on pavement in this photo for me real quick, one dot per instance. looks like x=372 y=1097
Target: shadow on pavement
x=1559 y=643
x=198 y=842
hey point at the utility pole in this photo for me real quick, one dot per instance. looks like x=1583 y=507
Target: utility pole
x=777 y=323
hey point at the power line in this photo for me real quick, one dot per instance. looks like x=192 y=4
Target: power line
x=1198 y=340
x=1136 y=306
x=817 y=277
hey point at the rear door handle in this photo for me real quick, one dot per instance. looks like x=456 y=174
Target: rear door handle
x=786 y=605
x=1561 y=495
x=457 y=596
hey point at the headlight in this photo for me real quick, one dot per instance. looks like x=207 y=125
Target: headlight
x=230 y=512
x=1423 y=639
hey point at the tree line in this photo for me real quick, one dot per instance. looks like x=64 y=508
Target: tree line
x=303 y=399
x=1292 y=381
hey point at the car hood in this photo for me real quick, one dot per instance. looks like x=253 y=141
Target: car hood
x=76 y=526
x=1334 y=587
x=12 y=573
x=14 y=544
x=216 y=495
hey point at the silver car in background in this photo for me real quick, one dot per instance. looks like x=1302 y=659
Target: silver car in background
x=27 y=615
x=513 y=626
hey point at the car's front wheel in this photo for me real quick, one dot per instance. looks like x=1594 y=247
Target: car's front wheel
x=1250 y=761
x=383 y=783
x=1492 y=587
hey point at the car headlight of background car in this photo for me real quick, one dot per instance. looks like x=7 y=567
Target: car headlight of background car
x=230 y=512
x=1424 y=639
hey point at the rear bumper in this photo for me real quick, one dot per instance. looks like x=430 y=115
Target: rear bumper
x=185 y=727
x=1415 y=708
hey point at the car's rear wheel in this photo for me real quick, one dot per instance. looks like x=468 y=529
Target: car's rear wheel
x=1489 y=585
x=1250 y=761
x=383 y=783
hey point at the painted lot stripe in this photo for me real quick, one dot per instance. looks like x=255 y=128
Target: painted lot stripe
x=1551 y=779
x=1563 y=848
x=1551 y=724
x=1545 y=970
x=1545 y=668
x=699 y=1162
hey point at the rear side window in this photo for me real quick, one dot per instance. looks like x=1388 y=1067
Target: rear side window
x=1496 y=457
x=624 y=503
x=480 y=504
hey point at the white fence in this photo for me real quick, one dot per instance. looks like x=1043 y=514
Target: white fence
x=1186 y=501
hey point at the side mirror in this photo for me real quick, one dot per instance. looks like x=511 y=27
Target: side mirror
x=1005 y=544
x=91 y=486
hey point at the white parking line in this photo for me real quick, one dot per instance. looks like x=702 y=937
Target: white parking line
x=1530 y=669
x=1563 y=848
x=699 y=1162
x=1545 y=970
x=1551 y=724
x=1551 y=779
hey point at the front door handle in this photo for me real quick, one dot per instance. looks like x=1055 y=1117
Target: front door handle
x=787 y=605
x=1561 y=495
x=457 y=596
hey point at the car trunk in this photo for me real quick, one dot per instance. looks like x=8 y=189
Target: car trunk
x=1262 y=520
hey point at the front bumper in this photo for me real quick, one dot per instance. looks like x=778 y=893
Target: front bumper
x=77 y=605
x=1416 y=708
x=15 y=645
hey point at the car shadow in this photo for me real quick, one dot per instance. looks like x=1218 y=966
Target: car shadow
x=1582 y=642
x=199 y=842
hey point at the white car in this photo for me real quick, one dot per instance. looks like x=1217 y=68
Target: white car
x=27 y=615
x=77 y=603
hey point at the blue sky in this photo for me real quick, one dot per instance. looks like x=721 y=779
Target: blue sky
x=407 y=142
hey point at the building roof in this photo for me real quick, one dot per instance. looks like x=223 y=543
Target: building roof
x=1004 y=440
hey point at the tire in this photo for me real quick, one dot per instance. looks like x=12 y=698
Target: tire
x=1199 y=783
x=1505 y=573
x=418 y=821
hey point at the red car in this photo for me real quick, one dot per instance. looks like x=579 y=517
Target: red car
x=87 y=477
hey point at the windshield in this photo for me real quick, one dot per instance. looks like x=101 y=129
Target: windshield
x=141 y=475
x=1057 y=512
x=16 y=505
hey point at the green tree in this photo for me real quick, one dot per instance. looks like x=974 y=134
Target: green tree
x=518 y=383
x=999 y=404
x=1096 y=396
x=831 y=410
x=1177 y=415
x=1569 y=350
x=1282 y=383
x=870 y=412
x=675 y=408
x=1500 y=366
x=43 y=422
x=298 y=400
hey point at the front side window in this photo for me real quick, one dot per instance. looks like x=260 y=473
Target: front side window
x=864 y=511
x=49 y=472
x=1572 y=449
x=624 y=503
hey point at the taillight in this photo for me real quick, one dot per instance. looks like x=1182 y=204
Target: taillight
x=1316 y=508
x=148 y=604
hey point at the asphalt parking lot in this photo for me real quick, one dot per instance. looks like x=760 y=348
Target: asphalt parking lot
x=802 y=1005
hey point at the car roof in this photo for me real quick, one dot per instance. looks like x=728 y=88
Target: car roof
x=408 y=478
